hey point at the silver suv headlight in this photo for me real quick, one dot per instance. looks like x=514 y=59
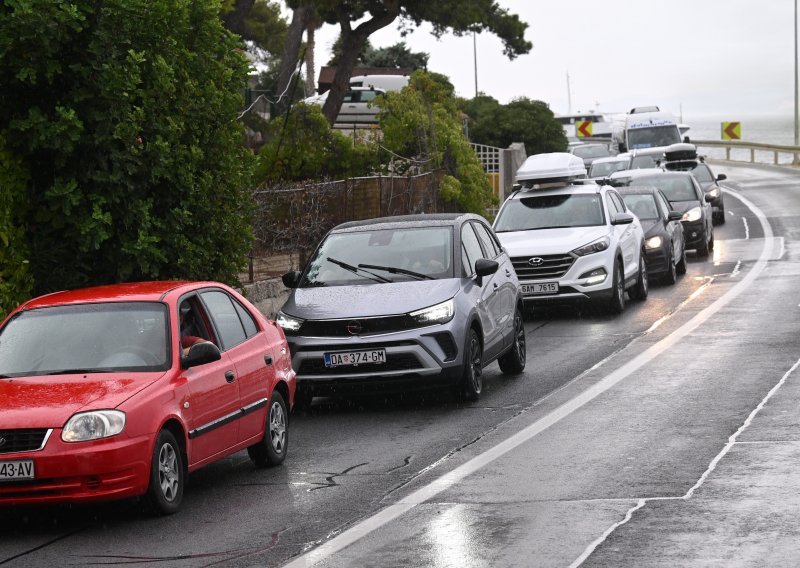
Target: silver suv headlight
x=289 y=324
x=440 y=313
x=93 y=425
x=599 y=245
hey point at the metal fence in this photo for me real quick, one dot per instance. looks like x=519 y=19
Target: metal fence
x=737 y=150
x=291 y=219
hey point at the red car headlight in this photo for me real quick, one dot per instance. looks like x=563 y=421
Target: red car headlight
x=93 y=425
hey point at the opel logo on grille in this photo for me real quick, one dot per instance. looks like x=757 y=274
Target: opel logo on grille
x=353 y=327
x=536 y=261
x=2 y=441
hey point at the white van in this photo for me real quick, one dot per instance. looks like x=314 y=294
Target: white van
x=382 y=82
x=649 y=130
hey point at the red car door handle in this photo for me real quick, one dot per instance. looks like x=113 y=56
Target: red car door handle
x=230 y=376
x=268 y=359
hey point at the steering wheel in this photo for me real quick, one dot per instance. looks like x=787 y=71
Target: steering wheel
x=140 y=352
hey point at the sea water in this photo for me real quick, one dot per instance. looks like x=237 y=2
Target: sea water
x=768 y=130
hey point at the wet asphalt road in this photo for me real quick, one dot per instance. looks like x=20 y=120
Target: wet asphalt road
x=666 y=464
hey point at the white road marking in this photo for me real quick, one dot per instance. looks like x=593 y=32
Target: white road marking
x=736 y=268
x=746 y=228
x=765 y=254
x=450 y=479
x=711 y=467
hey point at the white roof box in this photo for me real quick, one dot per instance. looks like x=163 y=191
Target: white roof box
x=549 y=168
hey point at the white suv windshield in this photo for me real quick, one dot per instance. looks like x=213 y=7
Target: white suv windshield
x=550 y=212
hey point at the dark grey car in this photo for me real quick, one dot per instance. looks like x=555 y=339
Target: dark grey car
x=395 y=302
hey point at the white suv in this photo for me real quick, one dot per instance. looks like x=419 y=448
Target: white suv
x=569 y=238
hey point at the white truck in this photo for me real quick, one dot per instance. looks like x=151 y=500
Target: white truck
x=649 y=130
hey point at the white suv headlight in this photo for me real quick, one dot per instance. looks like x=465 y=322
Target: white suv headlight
x=93 y=425
x=599 y=245
x=692 y=214
x=440 y=313
x=713 y=193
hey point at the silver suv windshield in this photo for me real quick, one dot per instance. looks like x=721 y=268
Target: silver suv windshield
x=375 y=256
x=550 y=212
x=86 y=338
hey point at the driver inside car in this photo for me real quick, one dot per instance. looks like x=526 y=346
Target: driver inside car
x=189 y=334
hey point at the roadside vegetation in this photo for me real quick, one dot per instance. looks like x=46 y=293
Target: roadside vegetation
x=522 y=120
x=120 y=118
x=123 y=154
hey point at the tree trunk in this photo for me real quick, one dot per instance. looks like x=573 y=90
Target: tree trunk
x=352 y=42
x=234 y=20
x=310 y=30
x=291 y=53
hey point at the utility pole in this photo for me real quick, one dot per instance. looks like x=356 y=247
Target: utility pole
x=796 y=162
x=569 y=93
x=475 y=59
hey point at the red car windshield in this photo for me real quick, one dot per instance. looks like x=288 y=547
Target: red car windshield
x=86 y=338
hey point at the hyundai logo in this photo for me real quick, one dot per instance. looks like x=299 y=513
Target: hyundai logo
x=536 y=261
x=353 y=327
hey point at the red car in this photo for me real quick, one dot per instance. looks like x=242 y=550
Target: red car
x=121 y=391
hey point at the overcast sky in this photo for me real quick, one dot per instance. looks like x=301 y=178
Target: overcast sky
x=727 y=59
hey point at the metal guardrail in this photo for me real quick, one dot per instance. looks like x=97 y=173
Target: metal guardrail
x=753 y=147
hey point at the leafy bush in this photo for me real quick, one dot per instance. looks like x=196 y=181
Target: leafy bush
x=303 y=146
x=522 y=120
x=423 y=121
x=15 y=279
x=123 y=113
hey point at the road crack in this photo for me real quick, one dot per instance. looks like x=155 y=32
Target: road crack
x=331 y=477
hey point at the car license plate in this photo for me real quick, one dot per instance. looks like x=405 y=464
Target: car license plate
x=16 y=470
x=355 y=358
x=539 y=288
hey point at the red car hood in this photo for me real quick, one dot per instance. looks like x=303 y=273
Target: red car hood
x=48 y=402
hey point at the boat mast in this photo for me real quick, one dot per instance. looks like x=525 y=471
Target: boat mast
x=569 y=96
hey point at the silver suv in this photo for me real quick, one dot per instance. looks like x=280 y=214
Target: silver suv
x=423 y=300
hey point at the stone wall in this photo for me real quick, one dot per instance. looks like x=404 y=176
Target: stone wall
x=267 y=295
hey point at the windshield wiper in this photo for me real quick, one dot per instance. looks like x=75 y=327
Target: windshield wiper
x=395 y=270
x=75 y=371
x=357 y=270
